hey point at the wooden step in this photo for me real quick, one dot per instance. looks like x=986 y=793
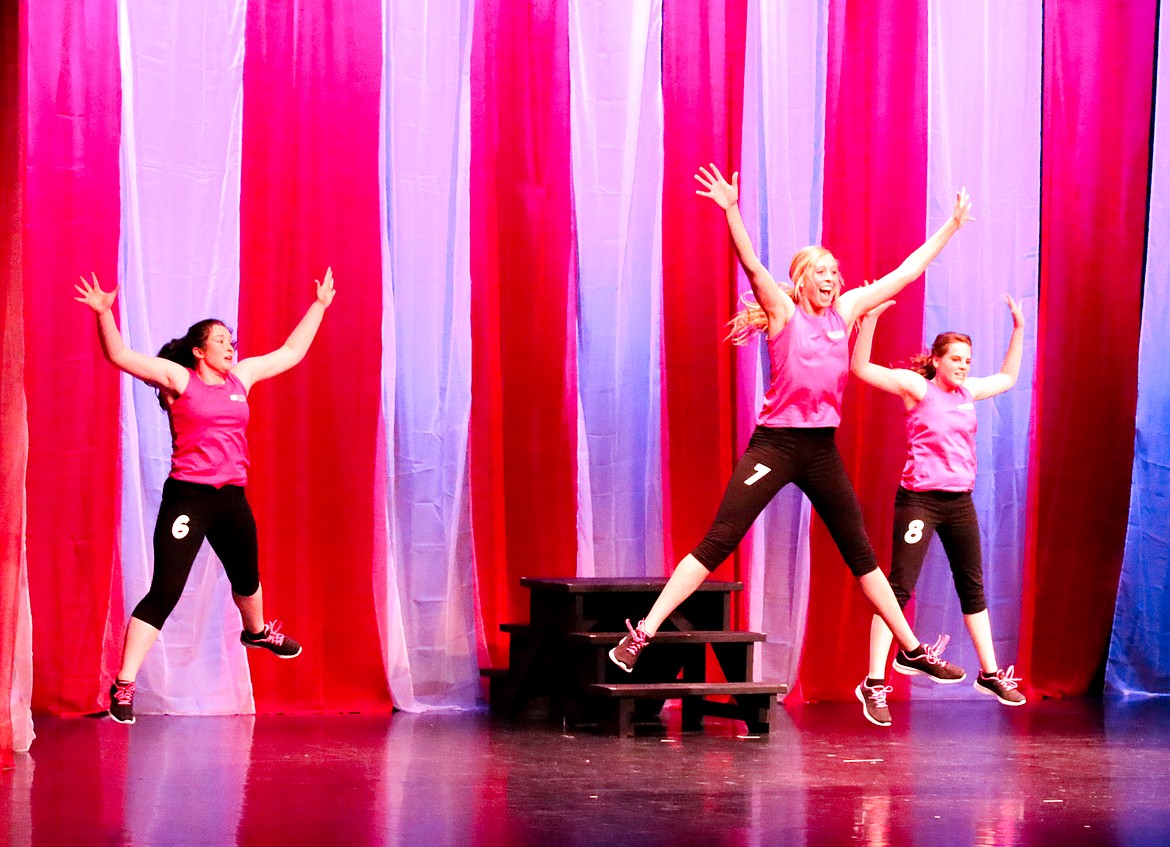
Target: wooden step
x=754 y=703
x=674 y=690
x=608 y=585
x=706 y=636
x=715 y=636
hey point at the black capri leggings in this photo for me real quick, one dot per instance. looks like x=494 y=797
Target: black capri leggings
x=775 y=457
x=917 y=516
x=189 y=513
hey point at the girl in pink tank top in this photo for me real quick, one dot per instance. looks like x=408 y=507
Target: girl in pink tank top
x=807 y=328
x=204 y=391
x=935 y=492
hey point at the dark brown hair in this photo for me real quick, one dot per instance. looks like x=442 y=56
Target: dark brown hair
x=923 y=363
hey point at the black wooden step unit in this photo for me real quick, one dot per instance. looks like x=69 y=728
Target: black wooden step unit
x=561 y=656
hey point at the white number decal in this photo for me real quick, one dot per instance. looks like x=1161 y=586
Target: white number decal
x=914 y=532
x=760 y=471
x=179 y=528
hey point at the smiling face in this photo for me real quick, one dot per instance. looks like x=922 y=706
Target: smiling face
x=953 y=366
x=218 y=353
x=816 y=278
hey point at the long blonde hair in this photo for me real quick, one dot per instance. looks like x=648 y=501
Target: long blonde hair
x=751 y=318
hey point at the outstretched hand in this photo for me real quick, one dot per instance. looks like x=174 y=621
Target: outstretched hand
x=724 y=193
x=962 y=211
x=325 y=290
x=1017 y=312
x=93 y=296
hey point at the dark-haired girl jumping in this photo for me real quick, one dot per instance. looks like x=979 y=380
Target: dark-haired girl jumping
x=204 y=391
x=935 y=494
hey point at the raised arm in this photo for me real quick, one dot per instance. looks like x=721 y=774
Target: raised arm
x=163 y=374
x=908 y=385
x=988 y=386
x=858 y=301
x=775 y=302
x=253 y=370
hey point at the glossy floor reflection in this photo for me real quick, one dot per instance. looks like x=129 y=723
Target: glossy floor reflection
x=1075 y=772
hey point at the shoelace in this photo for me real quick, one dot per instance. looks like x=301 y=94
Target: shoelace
x=638 y=638
x=1008 y=677
x=123 y=693
x=271 y=634
x=933 y=650
x=879 y=692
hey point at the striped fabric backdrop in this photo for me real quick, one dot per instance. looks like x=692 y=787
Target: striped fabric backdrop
x=523 y=372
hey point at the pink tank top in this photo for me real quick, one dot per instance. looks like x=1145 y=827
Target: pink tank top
x=810 y=365
x=940 y=431
x=207 y=433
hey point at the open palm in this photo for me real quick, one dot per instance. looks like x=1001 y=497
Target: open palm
x=93 y=296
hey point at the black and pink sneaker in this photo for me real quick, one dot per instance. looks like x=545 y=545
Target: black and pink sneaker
x=929 y=663
x=627 y=650
x=1003 y=685
x=272 y=640
x=122 y=701
x=873 y=702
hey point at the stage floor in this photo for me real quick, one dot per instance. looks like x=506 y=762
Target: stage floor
x=1068 y=772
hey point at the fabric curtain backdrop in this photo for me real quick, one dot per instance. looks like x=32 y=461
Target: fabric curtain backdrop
x=310 y=200
x=425 y=593
x=1139 y=649
x=1098 y=80
x=70 y=226
x=984 y=135
x=781 y=187
x=16 y=732
x=459 y=424
x=615 y=52
x=524 y=406
x=180 y=260
x=874 y=216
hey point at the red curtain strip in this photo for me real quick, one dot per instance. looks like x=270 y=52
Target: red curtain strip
x=1098 y=93
x=70 y=227
x=310 y=200
x=874 y=216
x=703 y=47
x=524 y=409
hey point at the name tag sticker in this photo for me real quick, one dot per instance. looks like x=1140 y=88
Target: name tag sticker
x=239 y=398
x=966 y=406
x=836 y=334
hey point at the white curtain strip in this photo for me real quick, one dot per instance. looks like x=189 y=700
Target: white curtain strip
x=180 y=260
x=20 y=701
x=616 y=119
x=425 y=579
x=781 y=185
x=985 y=87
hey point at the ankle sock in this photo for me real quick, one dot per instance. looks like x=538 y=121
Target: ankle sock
x=916 y=652
x=870 y=682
